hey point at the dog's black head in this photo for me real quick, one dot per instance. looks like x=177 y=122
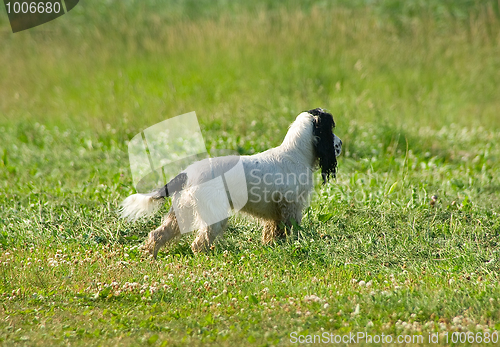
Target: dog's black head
x=326 y=144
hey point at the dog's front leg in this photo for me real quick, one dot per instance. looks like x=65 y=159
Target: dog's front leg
x=278 y=229
x=270 y=231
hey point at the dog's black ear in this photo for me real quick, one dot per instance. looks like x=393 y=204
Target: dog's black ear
x=323 y=125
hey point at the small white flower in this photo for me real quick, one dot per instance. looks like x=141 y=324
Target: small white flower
x=313 y=298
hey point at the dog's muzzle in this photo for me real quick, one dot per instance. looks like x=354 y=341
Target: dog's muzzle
x=337 y=144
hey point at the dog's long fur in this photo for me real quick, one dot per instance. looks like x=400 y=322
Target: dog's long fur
x=278 y=185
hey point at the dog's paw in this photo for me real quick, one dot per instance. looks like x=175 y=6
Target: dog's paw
x=201 y=244
x=149 y=248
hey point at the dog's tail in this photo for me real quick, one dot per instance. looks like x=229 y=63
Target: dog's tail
x=144 y=205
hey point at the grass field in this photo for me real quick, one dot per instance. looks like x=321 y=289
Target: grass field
x=414 y=88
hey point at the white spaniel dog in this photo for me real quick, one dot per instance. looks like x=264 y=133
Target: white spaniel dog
x=273 y=186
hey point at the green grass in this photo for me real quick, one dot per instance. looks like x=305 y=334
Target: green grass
x=413 y=87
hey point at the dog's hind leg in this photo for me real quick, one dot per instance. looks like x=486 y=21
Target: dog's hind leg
x=165 y=232
x=207 y=236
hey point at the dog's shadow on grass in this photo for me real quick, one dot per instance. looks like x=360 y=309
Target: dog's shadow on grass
x=244 y=236
x=181 y=248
